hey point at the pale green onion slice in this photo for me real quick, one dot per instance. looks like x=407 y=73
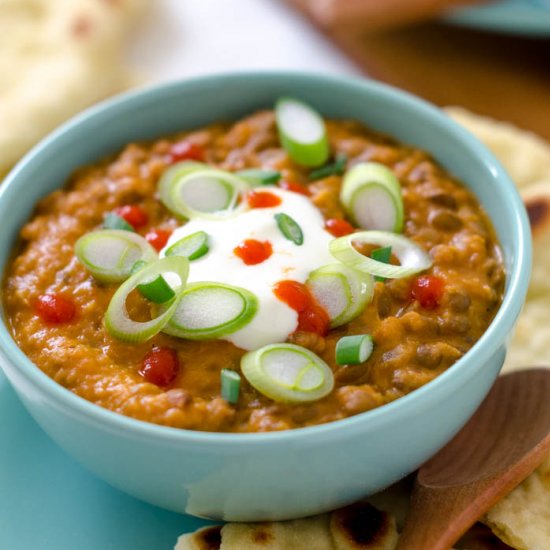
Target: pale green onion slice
x=211 y=310
x=288 y=373
x=171 y=176
x=110 y=254
x=371 y=195
x=157 y=290
x=353 y=350
x=257 y=176
x=117 y=319
x=192 y=247
x=302 y=132
x=231 y=383
x=342 y=291
x=289 y=228
x=114 y=221
x=413 y=259
x=206 y=193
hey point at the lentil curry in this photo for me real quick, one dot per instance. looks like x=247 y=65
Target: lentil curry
x=420 y=325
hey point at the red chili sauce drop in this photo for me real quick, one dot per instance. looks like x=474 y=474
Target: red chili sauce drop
x=158 y=238
x=428 y=290
x=294 y=187
x=55 y=308
x=160 y=366
x=185 y=150
x=338 y=227
x=311 y=316
x=253 y=252
x=134 y=215
x=262 y=199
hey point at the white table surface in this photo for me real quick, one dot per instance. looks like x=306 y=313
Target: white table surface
x=183 y=38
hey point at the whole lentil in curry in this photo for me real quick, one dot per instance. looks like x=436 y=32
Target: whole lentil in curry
x=413 y=344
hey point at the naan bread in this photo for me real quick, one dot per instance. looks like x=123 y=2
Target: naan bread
x=360 y=526
x=207 y=538
x=522 y=519
x=56 y=58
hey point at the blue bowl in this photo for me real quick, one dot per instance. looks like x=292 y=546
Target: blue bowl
x=287 y=474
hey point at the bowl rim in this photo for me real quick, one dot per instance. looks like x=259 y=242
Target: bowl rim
x=486 y=346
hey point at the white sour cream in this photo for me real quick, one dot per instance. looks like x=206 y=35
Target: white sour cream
x=274 y=320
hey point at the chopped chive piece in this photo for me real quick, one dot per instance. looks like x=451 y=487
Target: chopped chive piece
x=257 y=176
x=192 y=247
x=352 y=350
x=336 y=168
x=381 y=255
x=114 y=221
x=157 y=291
x=231 y=384
x=289 y=228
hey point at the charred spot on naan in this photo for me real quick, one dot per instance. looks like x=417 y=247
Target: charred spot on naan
x=538 y=210
x=210 y=538
x=362 y=526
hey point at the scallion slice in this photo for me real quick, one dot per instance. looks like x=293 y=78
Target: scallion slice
x=352 y=350
x=110 y=254
x=231 y=384
x=257 y=176
x=336 y=168
x=302 y=132
x=289 y=228
x=413 y=258
x=114 y=221
x=342 y=291
x=156 y=290
x=117 y=319
x=288 y=373
x=381 y=255
x=211 y=310
x=206 y=193
x=173 y=175
x=371 y=195
x=192 y=246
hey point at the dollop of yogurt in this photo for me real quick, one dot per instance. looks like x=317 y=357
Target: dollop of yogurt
x=274 y=320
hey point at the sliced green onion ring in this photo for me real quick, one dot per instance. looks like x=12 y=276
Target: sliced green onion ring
x=110 y=254
x=302 y=132
x=209 y=310
x=371 y=195
x=342 y=291
x=288 y=373
x=192 y=246
x=257 y=176
x=381 y=255
x=353 y=350
x=206 y=193
x=156 y=290
x=289 y=228
x=117 y=319
x=173 y=175
x=413 y=258
x=336 y=168
x=231 y=384
x=114 y=221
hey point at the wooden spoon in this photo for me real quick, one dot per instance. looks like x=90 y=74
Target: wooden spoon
x=505 y=440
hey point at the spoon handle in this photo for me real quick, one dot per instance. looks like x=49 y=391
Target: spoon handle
x=437 y=518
